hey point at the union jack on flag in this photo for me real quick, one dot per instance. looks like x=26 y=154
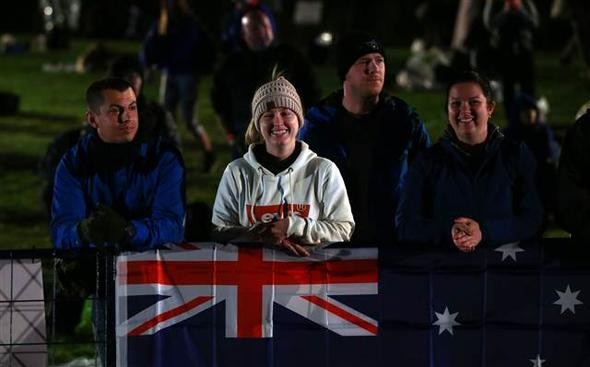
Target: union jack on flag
x=158 y=292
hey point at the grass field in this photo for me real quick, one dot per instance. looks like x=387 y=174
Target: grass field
x=54 y=101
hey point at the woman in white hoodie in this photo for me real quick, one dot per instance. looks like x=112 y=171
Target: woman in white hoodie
x=281 y=193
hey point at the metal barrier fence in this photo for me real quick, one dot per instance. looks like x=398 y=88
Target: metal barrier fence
x=42 y=296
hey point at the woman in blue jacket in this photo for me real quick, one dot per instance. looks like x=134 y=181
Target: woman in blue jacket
x=474 y=186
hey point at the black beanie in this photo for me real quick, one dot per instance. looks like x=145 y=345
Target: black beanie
x=354 y=45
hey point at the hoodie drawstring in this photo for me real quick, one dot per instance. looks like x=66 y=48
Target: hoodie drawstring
x=260 y=185
x=290 y=172
x=255 y=194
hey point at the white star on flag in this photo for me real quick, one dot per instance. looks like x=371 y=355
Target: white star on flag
x=446 y=321
x=568 y=300
x=537 y=362
x=509 y=250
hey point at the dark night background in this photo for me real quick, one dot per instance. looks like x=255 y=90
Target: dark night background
x=393 y=21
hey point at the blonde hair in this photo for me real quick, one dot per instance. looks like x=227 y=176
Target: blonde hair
x=253 y=136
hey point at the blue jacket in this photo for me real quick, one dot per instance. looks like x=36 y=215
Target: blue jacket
x=147 y=189
x=372 y=153
x=498 y=192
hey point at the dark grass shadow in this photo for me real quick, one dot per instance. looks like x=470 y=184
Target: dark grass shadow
x=46 y=117
x=18 y=162
x=21 y=218
x=46 y=125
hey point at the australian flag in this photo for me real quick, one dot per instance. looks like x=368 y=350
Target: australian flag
x=519 y=304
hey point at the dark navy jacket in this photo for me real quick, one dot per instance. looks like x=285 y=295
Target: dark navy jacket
x=499 y=193
x=573 y=188
x=148 y=190
x=185 y=48
x=372 y=153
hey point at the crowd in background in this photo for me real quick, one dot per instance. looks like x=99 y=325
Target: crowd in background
x=250 y=54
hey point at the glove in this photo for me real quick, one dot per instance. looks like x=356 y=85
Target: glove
x=104 y=226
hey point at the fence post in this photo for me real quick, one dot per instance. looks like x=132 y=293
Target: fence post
x=110 y=277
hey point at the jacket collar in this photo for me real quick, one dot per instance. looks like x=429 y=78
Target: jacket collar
x=304 y=157
x=450 y=140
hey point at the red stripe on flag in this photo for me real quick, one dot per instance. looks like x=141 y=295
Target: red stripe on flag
x=342 y=313
x=168 y=315
x=226 y=272
x=249 y=283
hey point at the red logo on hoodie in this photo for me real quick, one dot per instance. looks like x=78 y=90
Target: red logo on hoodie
x=269 y=213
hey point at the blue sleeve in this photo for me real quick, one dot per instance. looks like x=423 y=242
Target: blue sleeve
x=420 y=136
x=68 y=207
x=421 y=140
x=166 y=221
x=528 y=210
x=414 y=219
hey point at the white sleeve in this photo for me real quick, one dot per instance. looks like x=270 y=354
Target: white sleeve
x=226 y=209
x=335 y=222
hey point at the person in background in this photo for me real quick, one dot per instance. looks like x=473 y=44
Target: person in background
x=370 y=135
x=231 y=36
x=474 y=187
x=179 y=47
x=281 y=193
x=512 y=29
x=540 y=139
x=237 y=78
x=573 y=184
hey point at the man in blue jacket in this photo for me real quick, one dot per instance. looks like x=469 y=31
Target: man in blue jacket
x=370 y=135
x=117 y=186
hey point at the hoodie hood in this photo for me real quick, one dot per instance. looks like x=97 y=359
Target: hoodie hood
x=302 y=160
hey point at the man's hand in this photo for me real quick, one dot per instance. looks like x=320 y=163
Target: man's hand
x=466 y=234
x=104 y=226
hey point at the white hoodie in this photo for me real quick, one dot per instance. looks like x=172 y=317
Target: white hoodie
x=311 y=193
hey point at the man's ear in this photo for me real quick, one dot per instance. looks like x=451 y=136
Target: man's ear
x=91 y=119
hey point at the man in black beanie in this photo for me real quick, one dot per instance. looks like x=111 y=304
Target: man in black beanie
x=370 y=135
